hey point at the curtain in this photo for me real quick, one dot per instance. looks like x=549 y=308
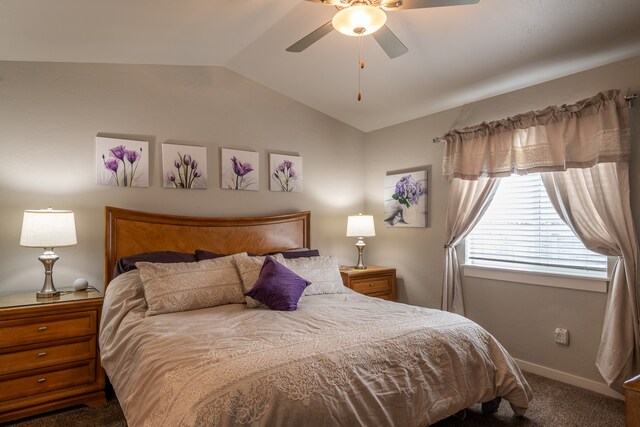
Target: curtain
x=595 y=203
x=582 y=151
x=591 y=131
x=468 y=201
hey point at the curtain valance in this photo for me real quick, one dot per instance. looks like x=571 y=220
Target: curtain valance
x=591 y=131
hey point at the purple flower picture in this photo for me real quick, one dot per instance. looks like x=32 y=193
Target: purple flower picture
x=240 y=170
x=122 y=162
x=405 y=199
x=285 y=173
x=184 y=166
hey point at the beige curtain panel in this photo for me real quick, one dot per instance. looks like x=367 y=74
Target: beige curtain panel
x=595 y=203
x=468 y=201
x=594 y=130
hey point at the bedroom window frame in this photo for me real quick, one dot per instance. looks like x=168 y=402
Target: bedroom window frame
x=542 y=275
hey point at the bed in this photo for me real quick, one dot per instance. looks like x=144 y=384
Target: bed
x=339 y=359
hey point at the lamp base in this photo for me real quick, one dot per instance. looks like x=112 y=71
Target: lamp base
x=48 y=258
x=360 y=245
x=48 y=295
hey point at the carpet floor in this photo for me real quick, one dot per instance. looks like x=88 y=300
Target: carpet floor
x=555 y=404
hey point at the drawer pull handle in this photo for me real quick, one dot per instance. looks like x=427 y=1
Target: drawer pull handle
x=42 y=354
x=41 y=380
x=371 y=285
x=42 y=328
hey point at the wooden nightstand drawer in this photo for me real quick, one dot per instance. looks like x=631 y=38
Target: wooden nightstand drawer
x=16 y=386
x=372 y=285
x=48 y=355
x=46 y=328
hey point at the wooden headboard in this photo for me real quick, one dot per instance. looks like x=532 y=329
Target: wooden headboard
x=130 y=232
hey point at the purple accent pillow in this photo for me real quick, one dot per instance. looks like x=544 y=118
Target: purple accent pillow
x=128 y=263
x=278 y=287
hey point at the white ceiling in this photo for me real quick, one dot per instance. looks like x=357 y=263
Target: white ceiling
x=456 y=54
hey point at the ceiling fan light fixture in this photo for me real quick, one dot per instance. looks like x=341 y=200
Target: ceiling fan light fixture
x=359 y=20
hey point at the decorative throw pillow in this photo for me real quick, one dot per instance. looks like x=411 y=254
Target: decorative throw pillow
x=322 y=271
x=128 y=263
x=188 y=286
x=278 y=287
x=249 y=268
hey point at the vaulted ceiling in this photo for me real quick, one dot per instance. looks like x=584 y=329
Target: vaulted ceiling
x=456 y=55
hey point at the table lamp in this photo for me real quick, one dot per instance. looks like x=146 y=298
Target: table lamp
x=48 y=229
x=360 y=226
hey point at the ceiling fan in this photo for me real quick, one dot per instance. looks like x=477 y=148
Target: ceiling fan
x=363 y=17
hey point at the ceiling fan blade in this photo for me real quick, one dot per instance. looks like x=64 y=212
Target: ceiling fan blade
x=420 y=4
x=389 y=42
x=311 y=38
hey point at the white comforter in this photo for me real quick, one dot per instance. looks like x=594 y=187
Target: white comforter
x=342 y=359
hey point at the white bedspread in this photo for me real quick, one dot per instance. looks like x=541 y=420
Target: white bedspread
x=342 y=359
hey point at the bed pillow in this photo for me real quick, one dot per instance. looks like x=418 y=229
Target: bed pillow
x=204 y=255
x=298 y=253
x=189 y=286
x=128 y=263
x=322 y=271
x=278 y=287
x=249 y=268
x=201 y=255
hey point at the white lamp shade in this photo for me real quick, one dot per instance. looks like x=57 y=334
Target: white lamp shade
x=360 y=226
x=359 y=20
x=48 y=228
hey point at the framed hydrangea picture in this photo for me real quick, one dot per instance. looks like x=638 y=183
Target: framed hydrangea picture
x=405 y=199
x=285 y=173
x=239 y=169
x=122 y=162
x=184 y=166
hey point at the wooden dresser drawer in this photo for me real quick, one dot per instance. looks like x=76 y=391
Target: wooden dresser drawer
x=372 y=285
x=29 y=384
x=46 y=328
x=48 y=355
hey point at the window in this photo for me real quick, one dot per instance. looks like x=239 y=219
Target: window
x=520 y=230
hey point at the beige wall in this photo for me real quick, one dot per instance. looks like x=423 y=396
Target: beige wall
x=50 y=114
x=521 y=316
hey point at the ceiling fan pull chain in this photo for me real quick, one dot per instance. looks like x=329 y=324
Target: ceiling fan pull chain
x=360 y=65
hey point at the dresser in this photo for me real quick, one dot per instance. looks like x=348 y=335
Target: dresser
x=374 y=281
x=49 y=356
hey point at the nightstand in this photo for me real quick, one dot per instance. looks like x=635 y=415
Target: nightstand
x=49 y=356
x=374 y=281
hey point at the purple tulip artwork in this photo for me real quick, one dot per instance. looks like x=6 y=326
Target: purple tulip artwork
x=184 y=166
x=405 y=199
x=122 y=162
x=286 y=173
x=239 y=170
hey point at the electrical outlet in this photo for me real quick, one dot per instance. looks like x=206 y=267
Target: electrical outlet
x=561 y=336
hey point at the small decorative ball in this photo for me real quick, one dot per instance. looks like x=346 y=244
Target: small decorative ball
x=80 y=284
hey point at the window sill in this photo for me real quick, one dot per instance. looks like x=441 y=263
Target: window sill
x=556 y=280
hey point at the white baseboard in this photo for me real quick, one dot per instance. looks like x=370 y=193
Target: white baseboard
x=568 y=378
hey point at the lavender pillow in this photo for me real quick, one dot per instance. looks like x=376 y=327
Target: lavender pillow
x=278 y=287
x=128 y=263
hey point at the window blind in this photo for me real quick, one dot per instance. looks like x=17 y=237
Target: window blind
x=520 y=229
